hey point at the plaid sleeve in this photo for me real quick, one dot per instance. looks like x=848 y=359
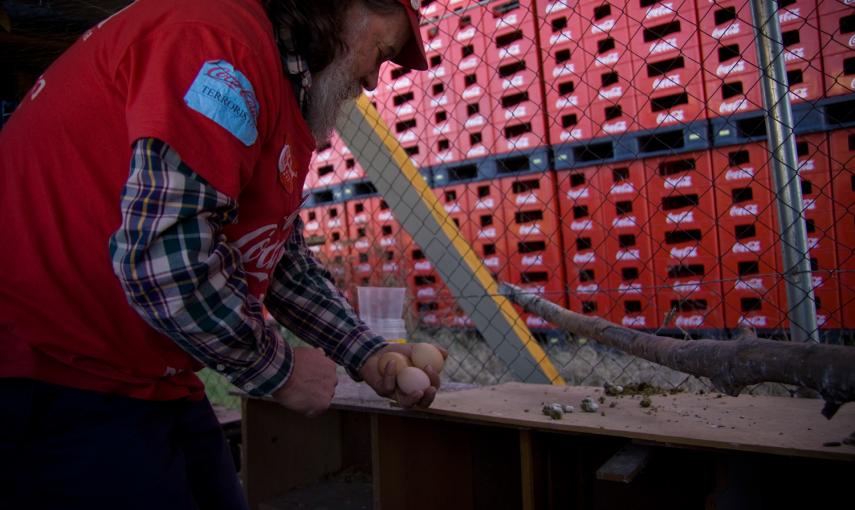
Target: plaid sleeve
x=184 y=279
x=303 y=298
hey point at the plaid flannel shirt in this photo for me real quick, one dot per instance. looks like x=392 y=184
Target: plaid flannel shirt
x=186 y=281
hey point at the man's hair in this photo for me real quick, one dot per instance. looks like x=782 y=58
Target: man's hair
x=316 y=25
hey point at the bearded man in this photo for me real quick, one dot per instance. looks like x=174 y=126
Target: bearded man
x=154 y=174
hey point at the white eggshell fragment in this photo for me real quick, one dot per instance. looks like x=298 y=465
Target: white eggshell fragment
x=412 y=379
x=426 y=354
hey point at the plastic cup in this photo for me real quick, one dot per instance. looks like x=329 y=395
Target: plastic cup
x=382 y=309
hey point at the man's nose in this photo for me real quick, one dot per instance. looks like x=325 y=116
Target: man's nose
x=369 y=81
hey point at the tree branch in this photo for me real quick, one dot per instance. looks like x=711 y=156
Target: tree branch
x=730 y=365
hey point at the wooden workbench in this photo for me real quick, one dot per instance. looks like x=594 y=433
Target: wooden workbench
x=493 y=448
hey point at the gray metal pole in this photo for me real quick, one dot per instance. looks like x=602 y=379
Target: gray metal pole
x=782 y=146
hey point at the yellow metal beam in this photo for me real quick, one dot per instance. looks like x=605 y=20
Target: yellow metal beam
x=416 y=207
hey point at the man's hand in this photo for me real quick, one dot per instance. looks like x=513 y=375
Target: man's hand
x=311 y=386
x=382 y=378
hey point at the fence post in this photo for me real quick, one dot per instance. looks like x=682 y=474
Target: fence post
x=785 y=176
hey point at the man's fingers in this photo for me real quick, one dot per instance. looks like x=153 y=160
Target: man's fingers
x=427 y=398
x=411 y=399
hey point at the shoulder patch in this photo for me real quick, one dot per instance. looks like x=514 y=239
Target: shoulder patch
x=224 y=95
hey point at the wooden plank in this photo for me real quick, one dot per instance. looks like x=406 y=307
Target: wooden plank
x=527 y=469
x=776 y=425
x=421 y=464
x=283 y=449
x=624 y=465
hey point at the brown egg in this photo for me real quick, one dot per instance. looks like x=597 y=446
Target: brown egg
x=412 y=379
x=426 y=354
x=400 y=361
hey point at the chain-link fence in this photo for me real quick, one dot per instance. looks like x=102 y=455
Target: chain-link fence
x=610 y=155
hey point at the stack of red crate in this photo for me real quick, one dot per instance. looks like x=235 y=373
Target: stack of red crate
x=748 y=237
x=439 y=102
x=815 y=176
x=581 y=200
x=668 y=79
x=471 y=84
x=837 y=25
x=515 y=79
x=332 y=164
x=456 y=200
x=399 y=98
x=685 y=244
x=360 y=234
x=390 y=239
x=628 y=251
x=842 y=146
x=730 y=57
x=564 y=65
x=534 y=238
x=608 y=67
x=487 y=217
x=326 y=232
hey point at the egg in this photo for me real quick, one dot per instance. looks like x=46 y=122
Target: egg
x=400 y=361
x=426 y=354
x=412 y=379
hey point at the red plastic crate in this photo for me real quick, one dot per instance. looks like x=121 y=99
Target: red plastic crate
x=429 y=9
x=581 y=200
x=799 y=13
x=311 y=217
x=436 y=36
x=613 y=118
x=817 y=192
x=663 y=35
x=605 y=50
x=567 y=118
x=842 y=145
x=722 y=19
x=443 y=149
x=603 y=16
x=455 y=201
x=748 y=237
x=487 y=226
x=835 y=20
x=752 y=301
x=725 y=19
x=729 y=53
x=632 y=288
x=511 y=27
x=588 y=290
x=476 y=142
x=670 y=70
x=673 y=97
x=474 y=84
x=839 y=73
x=561 y=26
x=395 y=79
x=532 y=219
x=469 y=42
x=678 y=175
x=610 y=84
x=521 y=126
x=696 y=298
x=651 y=13
x=439 y=95
x=826 y=289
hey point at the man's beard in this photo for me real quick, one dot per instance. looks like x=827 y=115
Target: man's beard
x=331 y=87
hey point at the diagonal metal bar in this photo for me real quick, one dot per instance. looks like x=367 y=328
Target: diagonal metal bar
x=417 y=209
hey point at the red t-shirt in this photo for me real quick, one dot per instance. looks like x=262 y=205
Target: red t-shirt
x=206 y=78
